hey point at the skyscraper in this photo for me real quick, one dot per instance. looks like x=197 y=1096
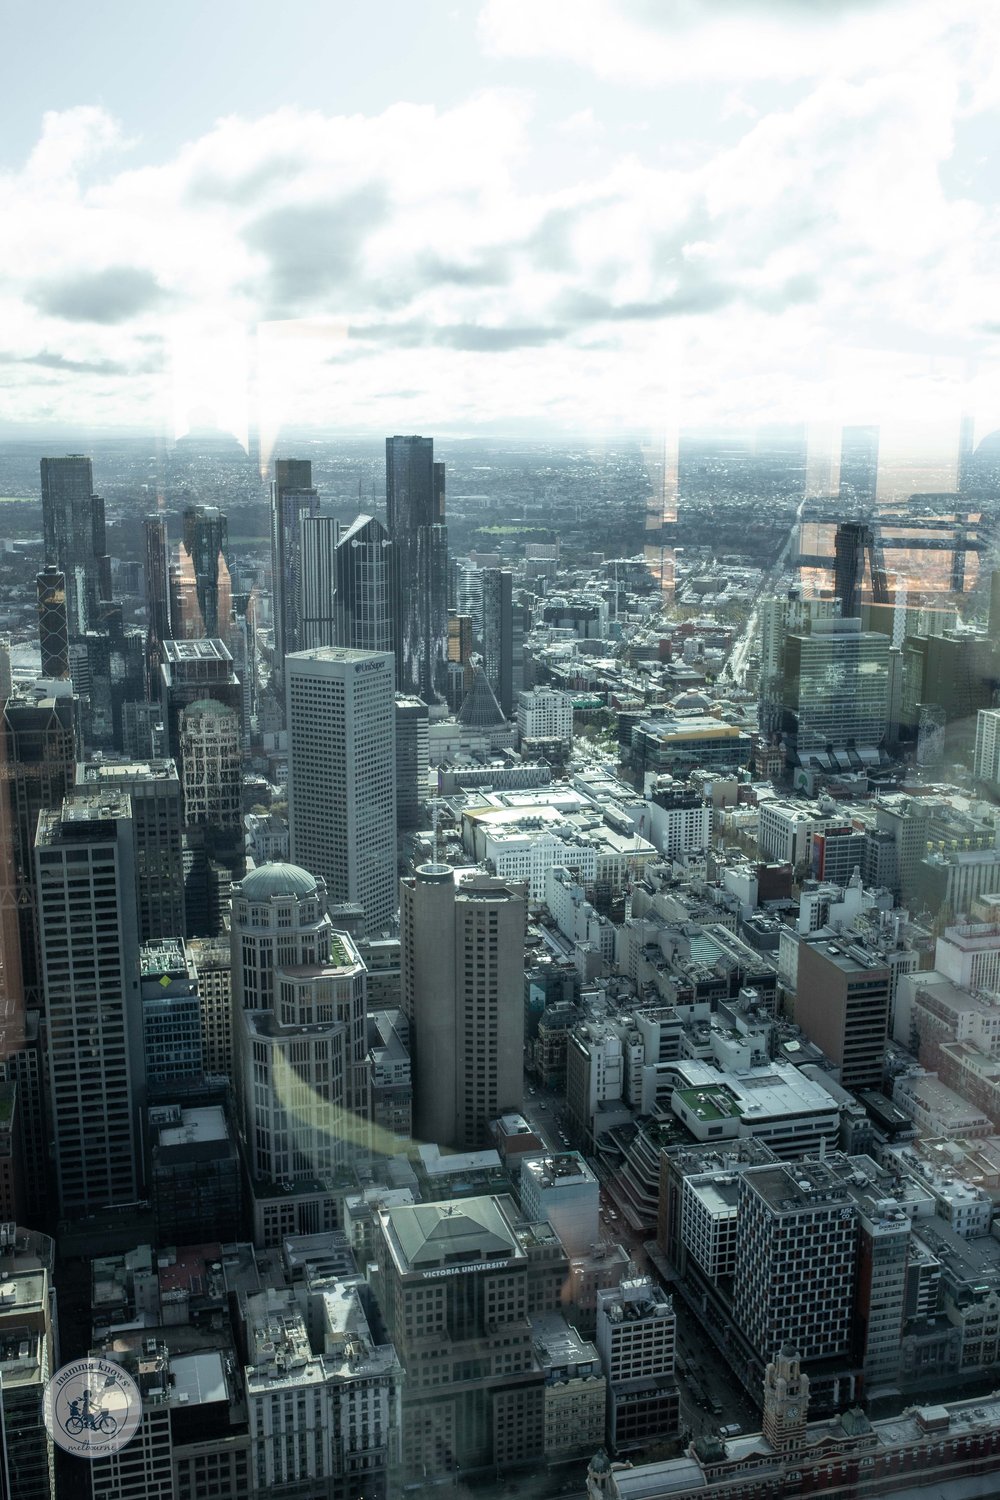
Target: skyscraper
x=53 y=627
x=201 y=586
x=363 y=600
x=292 y=496
x=842 y=1004
x=318 y=586
x=345 y=594
x=39 y=755
x=342 y=774
x=462 y=963
x=415 y=514
x=412 y=759
x=789 y=614
x=154 y=791
x=157 y=571
x=299 y=1057
x=211 y=765
x=795 y=1260
x=85 y=869
x=498 y=636
x=836 y=691
x=454 y=1283
x=73 y=523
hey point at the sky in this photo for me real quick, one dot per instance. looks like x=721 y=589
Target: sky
x=499 y=216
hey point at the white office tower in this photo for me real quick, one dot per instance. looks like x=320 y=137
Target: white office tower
x=89 y=930
x=462 y=965
x=987 y=764
x=342 y=774
x=299 y=1045
x=545 y=714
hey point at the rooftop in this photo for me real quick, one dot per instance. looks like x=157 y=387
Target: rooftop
x=438 y=1238
x=275 y=880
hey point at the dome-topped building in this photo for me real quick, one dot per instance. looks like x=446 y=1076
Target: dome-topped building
x=276 y=879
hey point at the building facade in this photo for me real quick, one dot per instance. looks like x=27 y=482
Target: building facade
x=463 y=995
x=342 y=775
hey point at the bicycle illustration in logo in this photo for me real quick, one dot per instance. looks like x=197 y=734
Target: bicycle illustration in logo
x=92 y=1407
x=87 y=1415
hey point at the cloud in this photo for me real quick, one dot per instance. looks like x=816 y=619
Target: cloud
x=653 y=42
x=114 y=295
x=493 y=258
x=72 y=139
x=467 y=336
x=46 y=360
x=314 y=249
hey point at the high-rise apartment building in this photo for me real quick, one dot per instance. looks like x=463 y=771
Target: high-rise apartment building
x=463 y=993
x=795 y=1260
x=836 y=692
x=53 y=626
x=342 y=774
x=73 y=522
x=154 y=790
x=497 y=635
x=416 y=524
x=292 y=497
x=452 y=1281
x=842 y=1004
x=89 y=926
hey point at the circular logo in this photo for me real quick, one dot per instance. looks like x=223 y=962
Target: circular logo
x=92 y=1407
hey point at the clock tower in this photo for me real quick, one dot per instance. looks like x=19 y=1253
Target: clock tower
x=786 y=1401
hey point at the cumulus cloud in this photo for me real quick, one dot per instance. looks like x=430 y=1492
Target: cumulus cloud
x=314 y=249
x=423 y=250
x=114 y=295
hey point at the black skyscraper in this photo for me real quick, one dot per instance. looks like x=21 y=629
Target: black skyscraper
x=157 y=585
x=362 y=603
x=73 y=523
x=415 y=512
x=292 y=496
x=202 y=587
x=498 y=636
